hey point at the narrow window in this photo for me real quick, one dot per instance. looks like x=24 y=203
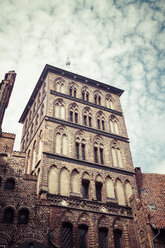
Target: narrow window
x=10 y=184
x=85 y=120
x=71 y=116
x=117 y=238
x=77 y=150
x=83 y=95
x=95 y=155
x=98 y=123
x=95 y=99
x=67 y=240
x=85 y=189
x=83 y=151
x=87 y=97
x=101 y=156
x=8 y=216
x=23 y=216
x=99 y=100
x=70 y=91
x=103 y=237
x=74 y=92
x=76 y=117
x=90 y=121
x=103 y=127
x=98 y=191
x=82 y=233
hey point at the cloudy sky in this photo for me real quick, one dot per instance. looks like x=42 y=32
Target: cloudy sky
x=118 y=42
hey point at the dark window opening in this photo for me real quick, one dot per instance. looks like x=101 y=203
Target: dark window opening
x=67 y=240
x=0 y=181
x=77 y=150
x=10 y=184
x=103 y=125
x=85 y=120
x=98 y=191
x=117 y=238
x=76 y=117
x=71 y=116
x=95 y=99
x=90 y=121
x=74 y=92
x=85 y=189
x=98 y=123
x=83 y=95
x=8 y=216
x=99 y=100
x=23 y=216
x=101 y=156
x=70 y=91
x=83 y=151
x=103 y=237
x=95 y=155
x=82 y=234
x=87 y=97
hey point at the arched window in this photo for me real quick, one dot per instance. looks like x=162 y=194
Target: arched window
x=42 y=111
x=85 y=94
x=109 y=188
x=117 y=238
x=87 y=117
x=39 y=98
x=59 y=109
x=128 y=189
x=98 y=151
x=44 y=88
x=82 y=236
x=97 y=97
x=59 y=85
x=53 y=180
x=31 y=131
x=64 y=182
x=61 y=141
x=10 y=184
x=75 y=181
x=23 y=216
x=103 y=232
x=73 y=113
x=73 y=90
x=34 y=107
x=100 y=120
x=120 y=192
x=30 y=115
x=99 y=184
x=80 y=146
x=85 y=186
x=67 y=239
x=28 y=162
x=114 y=125
x=40 y=144
x=36 y=121
x=34 y=155
x=8 y=216
x=116 y=154
x=109 y=102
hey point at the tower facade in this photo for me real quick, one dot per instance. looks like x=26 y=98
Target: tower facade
x=76 y=144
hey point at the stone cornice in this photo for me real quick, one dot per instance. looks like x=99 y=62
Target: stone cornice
x=86 y=128
x=85 y=102
x=89 y=164
x=108 y=208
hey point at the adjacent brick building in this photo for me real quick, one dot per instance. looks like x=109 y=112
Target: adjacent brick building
x=70 y=184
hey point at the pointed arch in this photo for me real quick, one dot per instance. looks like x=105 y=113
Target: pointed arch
x=109 y=102
x=98 y=150
x=114 y=126
x=61 y=140
x=64 y=182
x=75 y=181
x=59 y=109
x=120 y=192
x=59 y=85
x=80 y=145
x=73 y=89
x=116 y=154
x=53 y=180
x=85 y=187
x=85 y=93
x=87 y=116
x=73 y=113
x=128 y=190
x=109 y=188
x=97 y=97
x=100 y=120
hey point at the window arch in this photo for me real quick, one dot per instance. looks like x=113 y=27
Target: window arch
x=109 y=188
x=120 y=192
x=80 y=144
x=61 y=141
x=60 y=85
x=85 y=185
x=73 y=89
x=100 y=120
x=73 y=113
x=59 y=109
x=114 y=128
x=87 y=117
x=128 y=189
x=23 y=216
x=34 y=155
x=98 y=150
x=64 y=182
x=85 y=94
x=8 y=215
x=75 y=184
x=10 y=184
x=98 y=185
x=109 y=102
x=116 y=154
x=53 y=180
x=97 y=97
x=67 y=235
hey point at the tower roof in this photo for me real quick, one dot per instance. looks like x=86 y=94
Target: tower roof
x=70 y=75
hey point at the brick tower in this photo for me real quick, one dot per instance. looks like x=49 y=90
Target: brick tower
x=76 y=143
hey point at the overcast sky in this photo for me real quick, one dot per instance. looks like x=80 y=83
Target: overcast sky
x=118 y=42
